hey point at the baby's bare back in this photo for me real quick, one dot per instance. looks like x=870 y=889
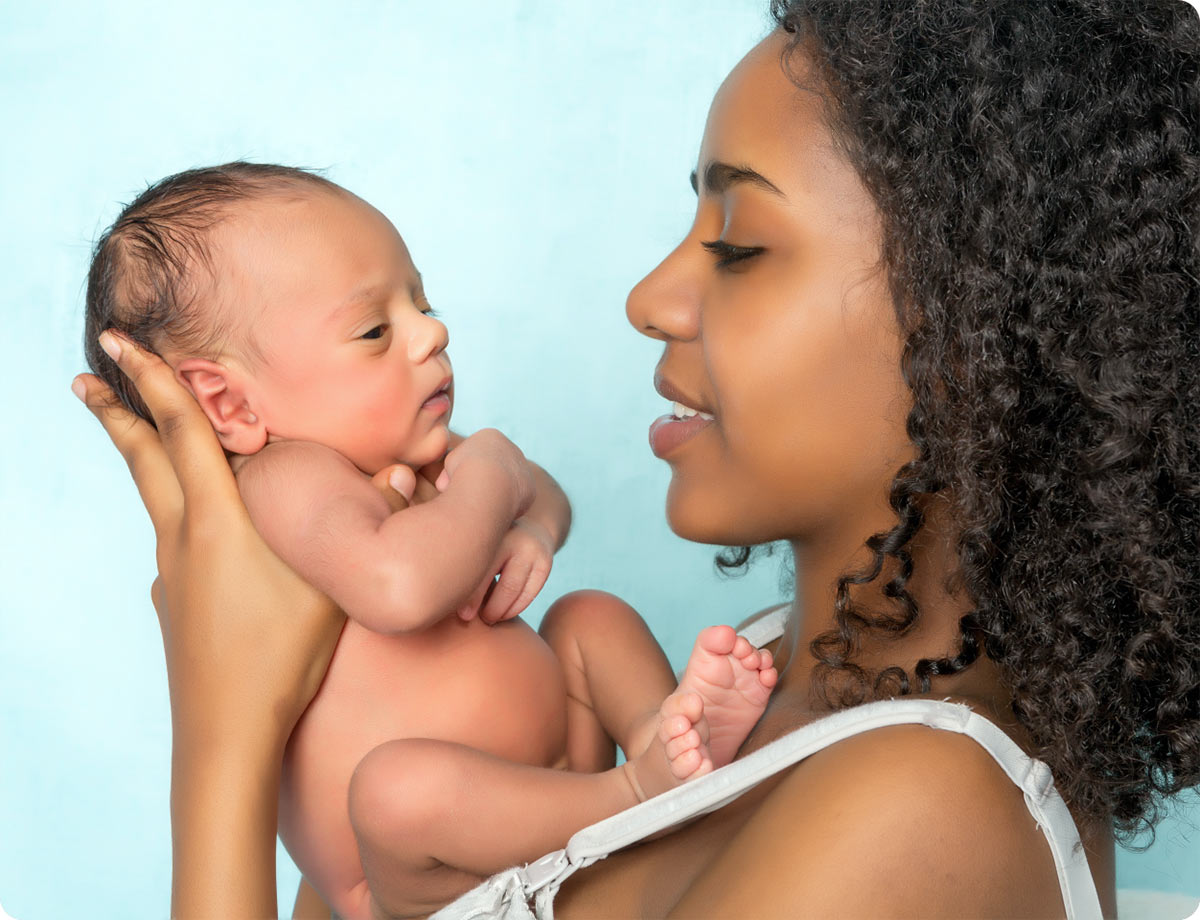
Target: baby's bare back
x=496 y=688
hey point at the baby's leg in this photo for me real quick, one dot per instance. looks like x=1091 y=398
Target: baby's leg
x=616 y=676
x=434 y=818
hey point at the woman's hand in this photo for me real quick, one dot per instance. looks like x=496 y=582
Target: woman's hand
x=246 y=642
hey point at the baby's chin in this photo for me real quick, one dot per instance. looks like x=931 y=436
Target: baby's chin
x=432 y=449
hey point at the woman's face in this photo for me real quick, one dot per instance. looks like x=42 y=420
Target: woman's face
x=776 y=322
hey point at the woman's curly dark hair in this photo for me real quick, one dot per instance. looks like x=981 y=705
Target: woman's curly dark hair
x=1037 y=169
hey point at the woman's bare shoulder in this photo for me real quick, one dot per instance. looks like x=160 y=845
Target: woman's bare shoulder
x=903 y=820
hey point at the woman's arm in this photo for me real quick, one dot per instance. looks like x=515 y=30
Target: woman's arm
x=246 y=643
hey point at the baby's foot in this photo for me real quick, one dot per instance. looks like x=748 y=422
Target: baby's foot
x=733 y=680
x=724 y=690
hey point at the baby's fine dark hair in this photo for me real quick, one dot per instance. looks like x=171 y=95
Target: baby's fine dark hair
x=1037 y=169
x=150 y=267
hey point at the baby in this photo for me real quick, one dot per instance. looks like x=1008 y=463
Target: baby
x=448 y=739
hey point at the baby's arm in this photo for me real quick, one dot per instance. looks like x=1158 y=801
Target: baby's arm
x=550 y=509
x=393 y=573
x=526 y=553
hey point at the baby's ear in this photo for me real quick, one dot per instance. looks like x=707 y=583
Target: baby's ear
x=222 y=394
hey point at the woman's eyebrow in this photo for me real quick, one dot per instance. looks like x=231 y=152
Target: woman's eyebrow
x=718 y=177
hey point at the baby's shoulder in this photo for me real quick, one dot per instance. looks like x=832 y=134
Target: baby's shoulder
x=290 y=462
x=286 y=473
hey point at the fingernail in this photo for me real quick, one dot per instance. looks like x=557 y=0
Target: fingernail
x=111 y=346
x=396 y=480
x=79 y=389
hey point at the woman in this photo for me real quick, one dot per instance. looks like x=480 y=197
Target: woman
x=957 y=241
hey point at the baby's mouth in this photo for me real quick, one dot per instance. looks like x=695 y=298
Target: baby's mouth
x=439 y=399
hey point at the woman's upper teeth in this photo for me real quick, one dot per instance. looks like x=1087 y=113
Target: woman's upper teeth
x=679 y=410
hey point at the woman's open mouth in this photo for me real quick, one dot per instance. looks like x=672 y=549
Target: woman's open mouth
x=670 y=431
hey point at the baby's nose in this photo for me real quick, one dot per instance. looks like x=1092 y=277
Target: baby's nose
x=429 y=337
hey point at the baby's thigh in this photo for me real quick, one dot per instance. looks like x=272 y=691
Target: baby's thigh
x=586 y=627
x=616 y=674
x=399 y=801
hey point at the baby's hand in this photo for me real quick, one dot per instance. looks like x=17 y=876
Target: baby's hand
x=403 y=487
x=490 y=446
x=396 y=484
x=523 y=562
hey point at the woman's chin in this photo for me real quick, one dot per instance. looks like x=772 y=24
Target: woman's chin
x=693 y=518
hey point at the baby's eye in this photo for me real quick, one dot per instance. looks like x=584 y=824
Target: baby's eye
x=377 y=332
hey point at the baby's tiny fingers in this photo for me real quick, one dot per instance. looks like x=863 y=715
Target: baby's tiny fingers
x=508 y=589
x=533 y=586
x=396 y=484
x=469 y=610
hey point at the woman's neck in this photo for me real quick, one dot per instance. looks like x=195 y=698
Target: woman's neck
x=935 y=632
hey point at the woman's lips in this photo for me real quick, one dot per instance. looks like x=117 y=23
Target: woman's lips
x=669 y=431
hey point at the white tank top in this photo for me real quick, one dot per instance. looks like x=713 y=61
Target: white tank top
x=527 y=893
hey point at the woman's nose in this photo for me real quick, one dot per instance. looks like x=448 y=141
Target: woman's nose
x=666 y=303
x=428 y=337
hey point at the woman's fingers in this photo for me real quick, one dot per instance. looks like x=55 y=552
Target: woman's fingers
x=139 y=444
x=186 y=435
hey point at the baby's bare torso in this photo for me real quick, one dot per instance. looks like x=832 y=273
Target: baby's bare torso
x=496 y=688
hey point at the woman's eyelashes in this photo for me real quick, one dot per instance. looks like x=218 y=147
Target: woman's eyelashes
x=728 y=254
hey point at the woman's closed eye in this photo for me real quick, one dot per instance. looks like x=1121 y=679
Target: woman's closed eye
x=728 y=254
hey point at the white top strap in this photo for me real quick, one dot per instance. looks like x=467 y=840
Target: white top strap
x=722 y=786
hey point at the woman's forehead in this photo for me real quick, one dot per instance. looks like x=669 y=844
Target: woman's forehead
x=771 y=116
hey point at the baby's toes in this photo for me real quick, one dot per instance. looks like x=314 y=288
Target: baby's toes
x=742 y=648
x=681 y=744
x=752 y=660
x=673 y=727
x=688 y=764
x=688 y=704
x=717 y=640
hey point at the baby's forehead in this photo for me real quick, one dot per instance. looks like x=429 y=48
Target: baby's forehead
x=295 y=254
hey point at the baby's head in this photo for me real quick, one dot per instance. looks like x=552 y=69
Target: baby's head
x=289 y=307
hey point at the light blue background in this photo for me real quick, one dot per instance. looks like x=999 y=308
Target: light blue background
x=535 y=156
